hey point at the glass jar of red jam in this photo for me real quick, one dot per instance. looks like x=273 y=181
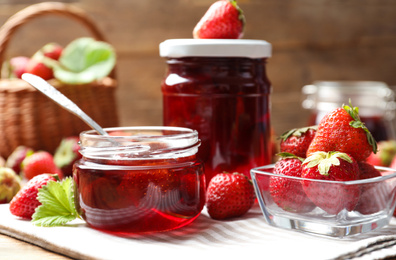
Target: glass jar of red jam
x=220 y=88
x=374 y=99
x=139 y=179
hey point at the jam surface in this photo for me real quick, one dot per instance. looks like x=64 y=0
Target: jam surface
x=124 y=197
x=227 y=101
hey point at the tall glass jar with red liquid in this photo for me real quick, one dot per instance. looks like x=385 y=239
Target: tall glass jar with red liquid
x=375 y=100
x=220 y=88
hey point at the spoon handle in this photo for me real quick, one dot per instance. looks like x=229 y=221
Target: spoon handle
x=51 y=92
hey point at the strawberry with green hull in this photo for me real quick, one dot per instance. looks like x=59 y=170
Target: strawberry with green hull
x=66 y=154
x=38 y=163
x=17 y=66
x=10 y=184
x=14 y=161
x=297 y=140
x=25 y=202
x=223 y=20
x=288 y=193
x=342 y=130
x=331 y=166
x=384 y=156
x=229 y=195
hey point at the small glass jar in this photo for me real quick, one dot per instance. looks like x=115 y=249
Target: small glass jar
x=139 y=179
x=220 y=88
x=374 y=99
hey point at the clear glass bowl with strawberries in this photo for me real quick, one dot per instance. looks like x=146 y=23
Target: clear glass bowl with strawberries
x=334 y=208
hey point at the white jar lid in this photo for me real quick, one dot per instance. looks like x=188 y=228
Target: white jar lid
x=176 y=48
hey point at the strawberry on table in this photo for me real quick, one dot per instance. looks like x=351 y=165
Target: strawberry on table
x=229 y=195
x=38 y=163
x=331 y=166
x=342 y=130
x=297 y=140
x=25 y=201
x=223 y=20
x=288 y=193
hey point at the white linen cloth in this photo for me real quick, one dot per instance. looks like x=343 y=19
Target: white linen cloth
x=241 y=238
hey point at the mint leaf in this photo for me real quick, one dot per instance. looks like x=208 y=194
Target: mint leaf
x=85 y=60
x=58 y=207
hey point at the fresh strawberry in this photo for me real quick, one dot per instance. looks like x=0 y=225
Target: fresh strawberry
x=16 y=158
x=38 y=68
x=52 y=50
x=297 y=141
x=66 y=154
x=25 y=201
x=342 y=130
x=373 y=196
x=229 y=195
x=10 y=184
x=38 y=163
x=223 y=20
x=288 y=193
x=18 y=66
x=332 y=166
x=384 y=156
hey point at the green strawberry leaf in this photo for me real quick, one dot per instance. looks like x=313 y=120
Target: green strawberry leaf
x=85 y=60
x=57 y=204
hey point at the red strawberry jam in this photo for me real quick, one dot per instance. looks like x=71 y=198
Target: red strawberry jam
x=220 y=88
x=147 y=180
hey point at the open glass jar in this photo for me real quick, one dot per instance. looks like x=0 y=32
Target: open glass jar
x=220 y=88
x=139 y=179
x=376 y=102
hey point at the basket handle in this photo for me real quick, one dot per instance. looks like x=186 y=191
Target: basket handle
x=46 y=8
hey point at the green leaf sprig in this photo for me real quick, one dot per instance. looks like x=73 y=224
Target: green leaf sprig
x=84 y=60
x=57 y=204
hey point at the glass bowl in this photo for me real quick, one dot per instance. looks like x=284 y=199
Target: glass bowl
x=371 y=208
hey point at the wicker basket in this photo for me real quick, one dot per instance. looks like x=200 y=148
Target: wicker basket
x=29 y=118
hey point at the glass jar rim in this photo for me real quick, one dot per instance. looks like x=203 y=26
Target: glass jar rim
x=149 y=142
x=177 y=48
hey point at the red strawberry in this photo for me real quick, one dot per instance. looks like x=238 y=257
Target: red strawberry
x=66 y=154
x=25 y=201
x=16 y=158
x=342 y=130
x=18 y=66
x=52 y=50
x=373 y=196
x=288 y=193
x=332 y=166
x=384 y=156
x=38 y=68
x=38 y=163
x=229 y=195
x=223 y=20
x=297 y=141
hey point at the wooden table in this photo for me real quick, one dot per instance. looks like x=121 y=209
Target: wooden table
x=14 y=249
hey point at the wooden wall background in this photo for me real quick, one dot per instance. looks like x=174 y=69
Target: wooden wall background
x=312 y=40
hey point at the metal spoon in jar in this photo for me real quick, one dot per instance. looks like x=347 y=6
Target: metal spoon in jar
x=51 y=92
